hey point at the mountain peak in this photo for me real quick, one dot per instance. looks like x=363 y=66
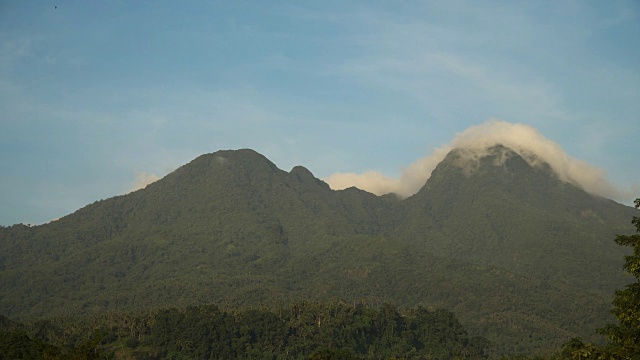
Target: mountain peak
x=498 y=169
x=240 y=156
x=497 y=160
x=472 y=160
x=303 y=175
x=242 y=161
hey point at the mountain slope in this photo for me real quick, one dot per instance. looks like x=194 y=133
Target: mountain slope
x=499 y=210
x=226 y=219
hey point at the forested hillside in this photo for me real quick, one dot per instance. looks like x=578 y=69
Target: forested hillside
x=520 y=257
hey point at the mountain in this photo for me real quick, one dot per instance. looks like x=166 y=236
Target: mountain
x=521 y=257
x=499 y=210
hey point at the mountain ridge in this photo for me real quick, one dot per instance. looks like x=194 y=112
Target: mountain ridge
x=232 y=228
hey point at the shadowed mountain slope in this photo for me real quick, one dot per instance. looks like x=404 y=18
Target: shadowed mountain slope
x=499 y=210
x=522 y=258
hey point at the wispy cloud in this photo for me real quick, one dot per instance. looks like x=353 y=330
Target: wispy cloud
x=143 y=179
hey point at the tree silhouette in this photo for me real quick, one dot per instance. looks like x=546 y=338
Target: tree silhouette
x=624 y=337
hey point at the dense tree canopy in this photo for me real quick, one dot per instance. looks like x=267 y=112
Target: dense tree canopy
x=315 y=330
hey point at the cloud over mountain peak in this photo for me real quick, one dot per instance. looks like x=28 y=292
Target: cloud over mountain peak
x=477 y=140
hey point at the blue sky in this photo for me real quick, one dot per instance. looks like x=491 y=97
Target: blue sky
x=96 y=95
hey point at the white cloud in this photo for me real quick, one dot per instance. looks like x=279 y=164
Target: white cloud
x=143 y=179
x=521 y=138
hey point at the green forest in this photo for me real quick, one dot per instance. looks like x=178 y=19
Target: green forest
x=307 y=330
